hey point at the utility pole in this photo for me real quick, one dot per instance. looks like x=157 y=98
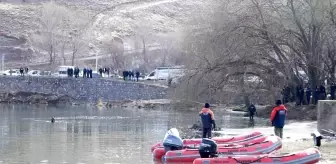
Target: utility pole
x=97 y=61
x=3 y=63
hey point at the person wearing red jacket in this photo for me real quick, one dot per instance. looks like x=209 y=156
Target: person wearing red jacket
x=278 y=117
x=208 y=120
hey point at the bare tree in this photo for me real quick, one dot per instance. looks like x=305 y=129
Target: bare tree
x=46 y=38
x=61 y=32
x=271 y=40
x=143 y=37
x=114 y=48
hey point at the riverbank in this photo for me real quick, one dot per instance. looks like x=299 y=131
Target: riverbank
x=300 y=113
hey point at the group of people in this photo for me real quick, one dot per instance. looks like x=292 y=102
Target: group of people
x=74 y=72
x=87 y=73
x=277 y=119
x=129 y=75
x=104 y=70
x=306 y=96
x=23 y=71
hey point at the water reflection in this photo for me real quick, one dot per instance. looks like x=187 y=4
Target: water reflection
x=89 y=135
x=251 y=124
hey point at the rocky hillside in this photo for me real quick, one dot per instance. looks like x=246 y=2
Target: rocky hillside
x=19 y=19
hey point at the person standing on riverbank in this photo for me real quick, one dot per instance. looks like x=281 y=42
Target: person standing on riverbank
x=316 y=94
x=137 y=75
x=332 y=91
x=323 y=92
x=252 y=110
x=308 y=94
x=278 y=117
x=208 y=120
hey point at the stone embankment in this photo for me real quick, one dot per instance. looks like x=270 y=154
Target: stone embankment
x=72 y=90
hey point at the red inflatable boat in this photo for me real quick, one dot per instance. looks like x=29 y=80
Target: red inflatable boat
x=271 y=144
x=309 y=156
x=245 y=138
x=159 y=152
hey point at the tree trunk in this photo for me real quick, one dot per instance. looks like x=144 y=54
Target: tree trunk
x=313 y=77
x=332 y=73
x=73 y=59
x=243 y=91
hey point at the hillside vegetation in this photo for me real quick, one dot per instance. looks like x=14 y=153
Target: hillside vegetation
x=64 y=30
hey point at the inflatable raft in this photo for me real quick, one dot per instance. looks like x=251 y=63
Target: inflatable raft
x=272 y=143
x=240 y=139
x=309 y=156
x=159 y=152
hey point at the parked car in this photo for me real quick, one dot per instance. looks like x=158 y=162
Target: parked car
x=12 y=72
x=45 y=73
x=34 y=73
x=39 y=73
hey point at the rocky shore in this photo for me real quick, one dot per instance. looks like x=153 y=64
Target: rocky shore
x=34 y=98
x=56 y=99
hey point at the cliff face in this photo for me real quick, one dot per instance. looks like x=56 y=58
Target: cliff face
x=19 y=19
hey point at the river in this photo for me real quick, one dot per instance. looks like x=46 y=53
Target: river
x=90 y=135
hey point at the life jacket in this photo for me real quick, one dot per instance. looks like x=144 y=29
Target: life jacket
x=207 y=117
x=278 y=116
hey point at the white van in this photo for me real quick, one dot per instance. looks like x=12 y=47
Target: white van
x=164 y=73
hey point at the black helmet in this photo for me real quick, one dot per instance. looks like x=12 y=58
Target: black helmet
x=207 y=105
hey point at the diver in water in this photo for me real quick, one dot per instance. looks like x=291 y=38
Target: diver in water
x=208 y=119
x=52 y=120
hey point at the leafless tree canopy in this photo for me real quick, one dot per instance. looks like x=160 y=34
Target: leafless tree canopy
x=61 y=34
x=273 y=40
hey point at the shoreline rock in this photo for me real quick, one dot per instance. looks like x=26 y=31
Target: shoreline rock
x=34 y=98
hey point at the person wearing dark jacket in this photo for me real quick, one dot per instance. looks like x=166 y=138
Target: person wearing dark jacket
x=278 y=117
x=316 y=94
x=90 y=73
x=100 y=72
x=252 y=110
x=301 y=95
x=137 y=75
x=84 y=72
x=332 y=91
x=308 y=94
x=323 y=93
x=21 y=71
x=208 y=120
x=297 y=95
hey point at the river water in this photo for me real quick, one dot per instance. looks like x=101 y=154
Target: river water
x=90 y=135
